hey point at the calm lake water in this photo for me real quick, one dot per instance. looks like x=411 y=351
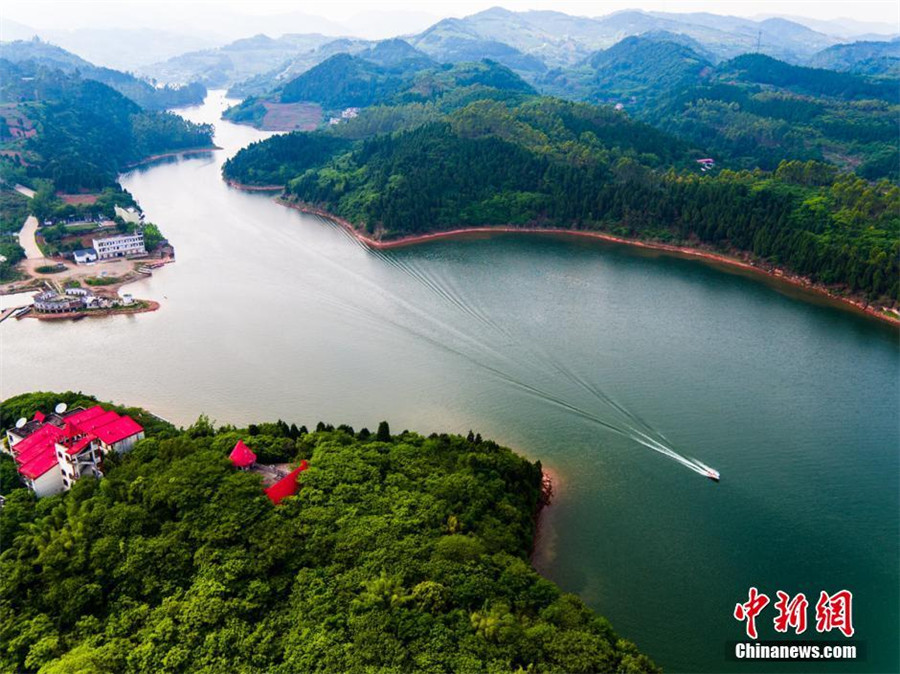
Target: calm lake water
x=534 y=341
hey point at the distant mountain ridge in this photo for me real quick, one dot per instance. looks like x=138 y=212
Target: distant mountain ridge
x=751 y=111
x=531 y=43
x=560 y=39
x=236 y=61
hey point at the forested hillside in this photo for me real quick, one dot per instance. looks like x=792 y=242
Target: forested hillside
x=545 y=162
x=750 y=112
x=400 y=553
x=79 y=133
x=145 y=94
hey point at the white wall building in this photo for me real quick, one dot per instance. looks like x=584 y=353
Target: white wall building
x=120 y=246
x=84 y=256
x=46 y=484
x=52 y=452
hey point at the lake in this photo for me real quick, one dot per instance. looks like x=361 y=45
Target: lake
x=561 y=349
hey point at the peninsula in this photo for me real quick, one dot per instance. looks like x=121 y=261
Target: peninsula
x=352 y=549
x=67 y=228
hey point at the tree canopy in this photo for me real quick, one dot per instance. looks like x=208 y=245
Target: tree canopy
x=79 y=133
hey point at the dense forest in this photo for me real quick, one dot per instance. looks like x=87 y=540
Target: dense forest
x=750 y=112
x=79 y=133
x=545 y=162
x=400 y=553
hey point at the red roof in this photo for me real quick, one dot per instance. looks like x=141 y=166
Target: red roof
x=242 y=456
x=94 y=423
x=39 y=465
x=286 y=486
x=79 y=444
x=120 y=429
x=25 y=450
x=36 y=454
x=81 y=416
x=39 y=416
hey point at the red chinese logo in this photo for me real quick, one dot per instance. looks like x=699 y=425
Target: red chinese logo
x=791 y=612
x=756 y=603
x=835 y=612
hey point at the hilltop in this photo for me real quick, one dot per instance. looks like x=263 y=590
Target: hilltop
x=399 y=78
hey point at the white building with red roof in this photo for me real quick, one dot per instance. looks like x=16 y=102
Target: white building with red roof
x=52 y=452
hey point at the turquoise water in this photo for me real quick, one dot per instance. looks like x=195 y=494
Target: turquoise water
x=553 y=347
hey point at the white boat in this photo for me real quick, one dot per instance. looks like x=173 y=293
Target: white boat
x=713 y=474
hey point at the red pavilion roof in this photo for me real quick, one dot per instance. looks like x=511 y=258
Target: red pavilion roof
x=242 y=456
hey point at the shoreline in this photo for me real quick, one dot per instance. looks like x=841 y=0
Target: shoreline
x=778 y=275
x=549 y=485
x=165 y=155
x=95 y=313
x=253 y=188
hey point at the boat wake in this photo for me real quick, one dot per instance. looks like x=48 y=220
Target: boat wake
x=502 y=358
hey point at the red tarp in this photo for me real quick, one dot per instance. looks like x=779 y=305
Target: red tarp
x=286 y=486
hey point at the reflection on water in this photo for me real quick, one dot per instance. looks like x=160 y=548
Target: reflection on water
x=541 y=343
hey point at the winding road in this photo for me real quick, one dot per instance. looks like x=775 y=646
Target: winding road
x=27 y=241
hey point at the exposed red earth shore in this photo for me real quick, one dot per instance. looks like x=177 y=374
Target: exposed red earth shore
x=550 y=485
x=683 y=251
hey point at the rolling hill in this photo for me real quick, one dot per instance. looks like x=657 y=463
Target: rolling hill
x=344 y=81
x=864 y=58
x=76 y=132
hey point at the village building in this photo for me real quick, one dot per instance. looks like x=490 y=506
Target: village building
x=84 y=256
x=50 y=302
x=54 y=451
x=125 y=245
x=72 y=299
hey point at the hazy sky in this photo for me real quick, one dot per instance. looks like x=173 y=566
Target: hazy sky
x=57 y=14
